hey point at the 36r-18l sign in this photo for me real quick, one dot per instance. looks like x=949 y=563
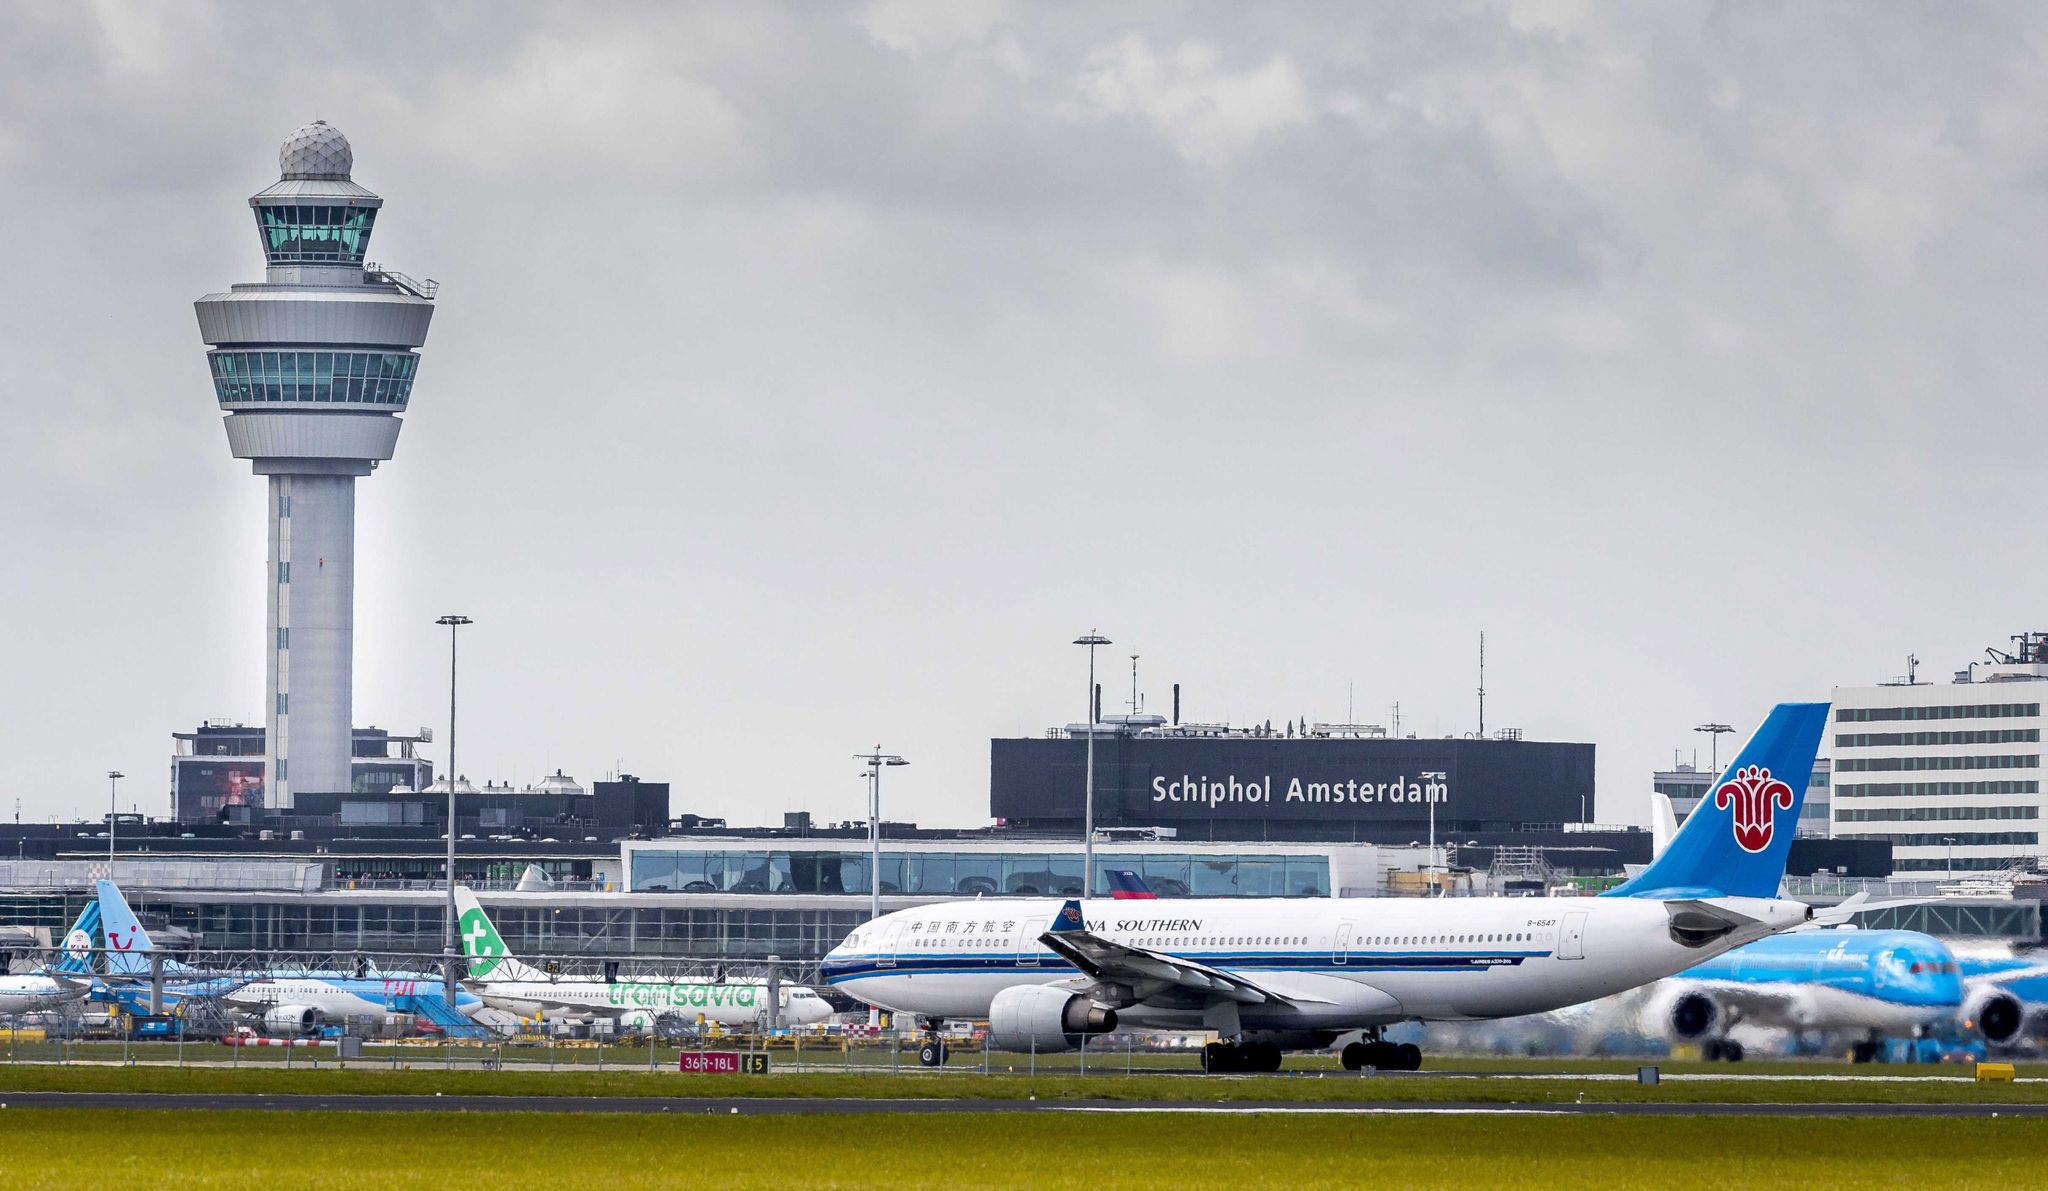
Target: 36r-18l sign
x=723 y=1062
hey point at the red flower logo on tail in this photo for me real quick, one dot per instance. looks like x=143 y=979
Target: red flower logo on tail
x=1753 y=792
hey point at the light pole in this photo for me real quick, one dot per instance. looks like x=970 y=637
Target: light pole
x=114 y=777
x=1714 y=733
x=448 y=929
x=1951 y=842
x=1431 y=778
x=1091 y=640
x=875 y=761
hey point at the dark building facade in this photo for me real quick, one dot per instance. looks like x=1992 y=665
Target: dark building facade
x=218 y=770
x=1247 y=786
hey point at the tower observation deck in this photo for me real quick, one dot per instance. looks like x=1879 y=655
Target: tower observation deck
x=313 y=366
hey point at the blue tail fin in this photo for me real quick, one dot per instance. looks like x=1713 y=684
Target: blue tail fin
x=76 y=957
x=128 y=945
x=1069 y=918
x=1734 y=843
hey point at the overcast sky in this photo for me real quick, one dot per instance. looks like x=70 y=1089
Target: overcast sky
x=806 y=378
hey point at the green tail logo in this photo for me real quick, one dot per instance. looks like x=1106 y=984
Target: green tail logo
x=480 y=942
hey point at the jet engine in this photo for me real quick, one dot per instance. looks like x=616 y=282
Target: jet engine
x=1685 y=1014
x=293 y=1020
x=1034 y=1016
x=1996 y=1016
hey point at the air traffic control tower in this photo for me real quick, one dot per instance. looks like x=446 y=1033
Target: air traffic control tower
x=313 y=366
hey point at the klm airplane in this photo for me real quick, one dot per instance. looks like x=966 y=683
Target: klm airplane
x=68 y=979
x=1864 y=984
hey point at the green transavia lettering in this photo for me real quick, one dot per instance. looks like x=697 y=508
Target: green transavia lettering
x=639 y=995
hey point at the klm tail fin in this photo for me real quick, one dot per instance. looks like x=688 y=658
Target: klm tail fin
x=1734 y=843
x=76 y=957
x=128 y=945
x=489 y=958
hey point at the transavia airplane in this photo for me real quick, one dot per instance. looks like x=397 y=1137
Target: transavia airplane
x=1866 y=984
x=505 y=983
x=1302 y=973
x=66 y=980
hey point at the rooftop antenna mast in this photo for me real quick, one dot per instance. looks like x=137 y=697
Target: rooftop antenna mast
x=1482 y=684
x=1912 y=670
x=1134 y=684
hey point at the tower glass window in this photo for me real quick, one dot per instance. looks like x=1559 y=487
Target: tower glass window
x=268 y=377
x=315 y=233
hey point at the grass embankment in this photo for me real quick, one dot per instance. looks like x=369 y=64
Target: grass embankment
x=334 y=1080
x=70 y=1149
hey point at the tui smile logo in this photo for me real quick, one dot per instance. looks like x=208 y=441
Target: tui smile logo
x=1753 y=793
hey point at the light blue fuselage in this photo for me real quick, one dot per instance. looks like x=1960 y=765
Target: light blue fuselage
x=1844 y=979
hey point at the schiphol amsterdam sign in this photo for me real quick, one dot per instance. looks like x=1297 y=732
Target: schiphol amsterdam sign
x=1205 y=791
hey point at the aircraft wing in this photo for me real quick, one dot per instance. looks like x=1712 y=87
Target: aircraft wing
x=1162 y=971
x=1858 y=903
x=1994 y=979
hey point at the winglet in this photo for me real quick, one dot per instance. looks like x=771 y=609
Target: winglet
x=1068 y=919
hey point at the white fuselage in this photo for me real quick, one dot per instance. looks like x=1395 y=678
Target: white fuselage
x=1340 y=963
x=335 y=999
x=28 y=994
x=727 y=1003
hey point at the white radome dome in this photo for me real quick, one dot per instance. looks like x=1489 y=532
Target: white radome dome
x=316 y=150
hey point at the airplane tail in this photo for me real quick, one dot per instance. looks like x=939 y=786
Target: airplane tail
x=76 y=957
x=1663 y=823
x=128 y=944
x=1735 y=842
x=489 y=959
x=1125 y=885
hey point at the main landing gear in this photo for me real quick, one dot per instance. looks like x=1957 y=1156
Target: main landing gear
x=1219 y=1058
x=1381 y=1056
x=1721 y=1049
x=931 y=1049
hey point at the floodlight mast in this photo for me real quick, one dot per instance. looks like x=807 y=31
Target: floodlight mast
x=1091 y=639
x=875 y=761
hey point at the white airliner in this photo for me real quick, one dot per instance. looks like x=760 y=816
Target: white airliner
x=65 y=980
x=505 y=983
x=1301 y=973
x=32 y=994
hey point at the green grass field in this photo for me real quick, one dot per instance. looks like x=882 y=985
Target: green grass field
x=332 y=1079
x=67 y=1149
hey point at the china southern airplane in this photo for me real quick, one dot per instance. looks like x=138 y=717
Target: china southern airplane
x=1866 y=984
x=1302 y=973
x=66 y=980
x=505 y=983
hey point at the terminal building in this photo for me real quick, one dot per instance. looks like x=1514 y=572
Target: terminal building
x=1948 y=773
x=218 y=769
x=1319 y=783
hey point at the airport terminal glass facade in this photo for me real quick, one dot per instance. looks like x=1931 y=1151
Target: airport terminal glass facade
x=263 y=377
x=315 y=234
x=966 y=874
